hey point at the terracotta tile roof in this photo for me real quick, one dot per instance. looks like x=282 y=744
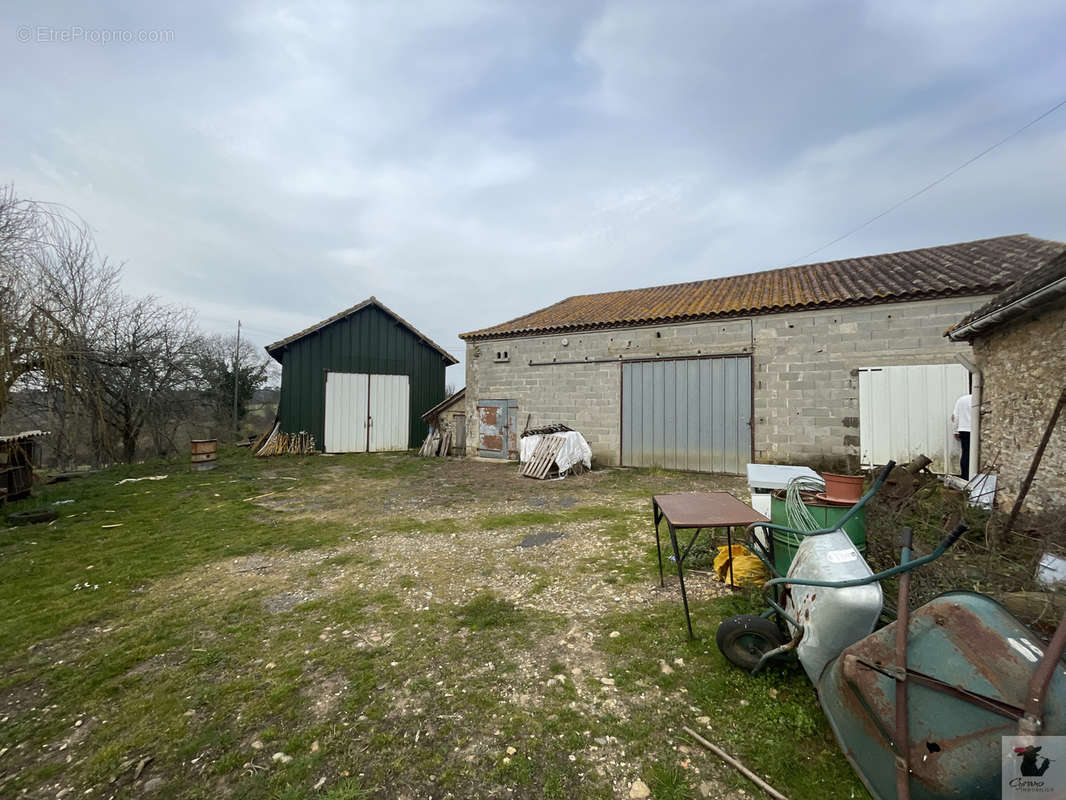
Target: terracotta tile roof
x=275 y=348
x=980 y=267
x=1039 y=287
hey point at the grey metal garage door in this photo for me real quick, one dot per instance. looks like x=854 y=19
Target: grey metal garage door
x=691 y=414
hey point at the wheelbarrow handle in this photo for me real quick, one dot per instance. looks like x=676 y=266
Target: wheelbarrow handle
x=952 y=537
x=948 y=541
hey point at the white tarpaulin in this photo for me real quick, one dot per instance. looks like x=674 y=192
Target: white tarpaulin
x=575 y=449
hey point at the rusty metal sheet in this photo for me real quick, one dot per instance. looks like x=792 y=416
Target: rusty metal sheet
x=706 y=510
x=963 y=639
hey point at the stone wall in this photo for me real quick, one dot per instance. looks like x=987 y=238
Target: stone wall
x=1023 y=365
x=805 y=375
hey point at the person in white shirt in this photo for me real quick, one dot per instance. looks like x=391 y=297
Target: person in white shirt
x=961 y=420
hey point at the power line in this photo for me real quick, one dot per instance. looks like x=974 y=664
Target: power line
x=929 y=186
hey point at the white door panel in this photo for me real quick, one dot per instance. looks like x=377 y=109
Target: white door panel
x=906 y=411
x=346 y=412
x=390 y=406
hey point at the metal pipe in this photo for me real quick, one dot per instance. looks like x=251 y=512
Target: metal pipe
x=948 y=541
x=903 y=745
x=747 y=773
x=785 y=648
x=621 y=359
x=1033 y=720
x=1035 y=463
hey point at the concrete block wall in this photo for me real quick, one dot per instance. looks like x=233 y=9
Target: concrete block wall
x=804 y=371
x=1022 y=364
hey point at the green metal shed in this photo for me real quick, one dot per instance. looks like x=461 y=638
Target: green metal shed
x=360 y=380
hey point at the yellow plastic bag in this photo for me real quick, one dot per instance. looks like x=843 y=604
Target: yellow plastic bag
x=748 y=570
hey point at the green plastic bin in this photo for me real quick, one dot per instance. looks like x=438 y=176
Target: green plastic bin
x=786 y=544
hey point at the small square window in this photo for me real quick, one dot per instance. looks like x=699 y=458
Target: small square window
x=503 y=355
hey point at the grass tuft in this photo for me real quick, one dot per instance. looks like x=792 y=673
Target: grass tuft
x=487 y=611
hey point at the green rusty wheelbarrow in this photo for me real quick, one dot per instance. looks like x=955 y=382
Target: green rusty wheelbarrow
x=919 y=707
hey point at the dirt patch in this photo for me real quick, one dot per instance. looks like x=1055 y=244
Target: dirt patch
x=287 y=601
x=324 y=694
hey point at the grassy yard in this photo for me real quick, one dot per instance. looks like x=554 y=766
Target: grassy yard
x=376 y=626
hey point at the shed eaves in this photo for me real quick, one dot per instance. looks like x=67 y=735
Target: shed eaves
x=978 y=267
x=445 y=404
x=1037 y=288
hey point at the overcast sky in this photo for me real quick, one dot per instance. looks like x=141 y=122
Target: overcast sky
x=468 y=162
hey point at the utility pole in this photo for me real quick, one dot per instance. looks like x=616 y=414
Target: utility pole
x=236 y=374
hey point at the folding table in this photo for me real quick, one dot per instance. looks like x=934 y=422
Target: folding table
x=698 y=510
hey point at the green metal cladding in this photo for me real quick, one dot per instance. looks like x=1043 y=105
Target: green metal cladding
x=369 y=340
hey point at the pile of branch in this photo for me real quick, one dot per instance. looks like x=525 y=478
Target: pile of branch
x=544 y=430
x=436 y=444
x=277 y=443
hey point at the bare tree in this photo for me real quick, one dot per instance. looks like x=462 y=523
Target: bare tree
x=107 y=372
x=20 y=351
x=143 y=369
x=55 y=292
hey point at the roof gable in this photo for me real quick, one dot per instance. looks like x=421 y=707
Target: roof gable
x=275 y=348
x=969 y=268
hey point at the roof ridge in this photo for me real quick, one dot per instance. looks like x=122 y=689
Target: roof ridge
x=769 y=270
x=939 y=270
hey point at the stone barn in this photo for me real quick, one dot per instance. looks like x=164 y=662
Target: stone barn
x=829 y=364
x=449 y=416
x=1019 y=346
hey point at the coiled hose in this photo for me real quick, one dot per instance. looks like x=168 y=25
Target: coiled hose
x=799 y=517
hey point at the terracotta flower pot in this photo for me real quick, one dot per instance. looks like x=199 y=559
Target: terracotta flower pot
x=842 y=488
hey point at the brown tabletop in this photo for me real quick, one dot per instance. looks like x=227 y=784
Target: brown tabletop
x=706 y=510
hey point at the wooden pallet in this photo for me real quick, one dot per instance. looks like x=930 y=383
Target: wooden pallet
x=436 y=444
x=543 y=458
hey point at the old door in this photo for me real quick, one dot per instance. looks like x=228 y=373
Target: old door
x=347 y=404
x=906 y=411
x=690 y=414
x=459 y=439
x=367 y=412
x=390 y=412
x=497 y=433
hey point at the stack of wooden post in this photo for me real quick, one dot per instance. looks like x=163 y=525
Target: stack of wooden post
x=277 y=443
x=436 y=444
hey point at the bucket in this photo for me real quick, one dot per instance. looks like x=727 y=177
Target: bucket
x=842 y=488
x=203 y=453
x=825 y=514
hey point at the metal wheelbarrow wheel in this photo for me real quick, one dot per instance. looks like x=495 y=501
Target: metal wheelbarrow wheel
x=745 y=638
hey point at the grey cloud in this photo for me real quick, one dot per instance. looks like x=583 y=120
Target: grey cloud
x=468 y=162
